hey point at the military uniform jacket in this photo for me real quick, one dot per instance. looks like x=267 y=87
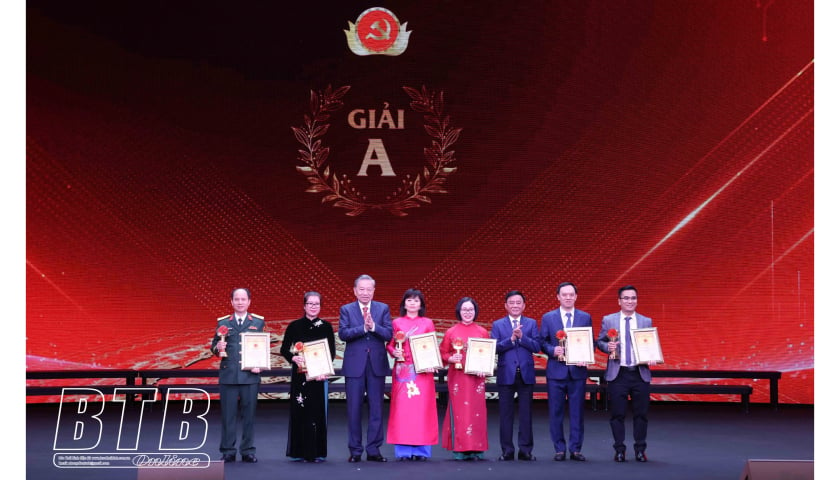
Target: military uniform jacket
x=230 y=370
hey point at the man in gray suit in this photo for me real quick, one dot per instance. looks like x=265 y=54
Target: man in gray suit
x=625 y=376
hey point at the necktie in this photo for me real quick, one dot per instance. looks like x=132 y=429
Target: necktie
x=240 y=322
x=628 y=358
x=568 y=320
x=515 y=324
x=365 y=313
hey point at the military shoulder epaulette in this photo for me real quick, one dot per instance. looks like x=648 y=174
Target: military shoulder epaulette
x=223 y=318
x=258 y=316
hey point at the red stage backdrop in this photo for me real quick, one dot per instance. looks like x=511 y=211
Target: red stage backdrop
x=178 y=150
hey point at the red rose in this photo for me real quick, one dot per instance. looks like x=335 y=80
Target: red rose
x=400 y=336
x=560 y=335
x=458 y=343
x=613 y=333
x=222 y=331
x=299 y=346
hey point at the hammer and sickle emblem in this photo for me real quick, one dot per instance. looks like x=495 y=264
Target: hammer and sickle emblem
x=383 y=34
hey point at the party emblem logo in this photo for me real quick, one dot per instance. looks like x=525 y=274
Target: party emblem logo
x=377 y=32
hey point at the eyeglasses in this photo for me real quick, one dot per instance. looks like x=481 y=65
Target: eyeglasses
x=467 y=310
x=627 y=299
x=310 y=304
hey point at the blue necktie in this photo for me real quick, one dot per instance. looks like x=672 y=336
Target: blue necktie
x=628 y=359
x=568 y=320
x=515 y=324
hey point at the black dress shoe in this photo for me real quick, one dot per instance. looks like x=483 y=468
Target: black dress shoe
x=418 y=458
x=376 y=458
x=560 y=457
x=506 y=457
x=577 y=456
x=250 y=458
x=641 y=457
x=527 y=457
x=229 y=458
x=355 y=459
x=619 y=457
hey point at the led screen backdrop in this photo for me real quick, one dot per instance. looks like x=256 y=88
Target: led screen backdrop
x=176 y=150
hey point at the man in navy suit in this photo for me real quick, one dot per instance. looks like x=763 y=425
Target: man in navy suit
x=517 y=341
x=625 y=376
x=365 y=327
x=564 y=380
x=238 y=388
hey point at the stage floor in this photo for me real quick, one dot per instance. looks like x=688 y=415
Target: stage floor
x=685 y=441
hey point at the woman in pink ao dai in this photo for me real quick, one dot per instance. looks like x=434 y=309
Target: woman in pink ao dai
x=413 y=421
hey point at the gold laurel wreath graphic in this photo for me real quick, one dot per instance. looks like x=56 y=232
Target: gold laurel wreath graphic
x=340 y=190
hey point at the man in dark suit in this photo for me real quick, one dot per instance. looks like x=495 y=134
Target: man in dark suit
x=238 y=388
x=517 y=341
x=365 y=327
x=564 y=380
x=625 y=376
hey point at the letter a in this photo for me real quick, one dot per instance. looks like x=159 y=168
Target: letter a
x=375 y=146
x=79 y=430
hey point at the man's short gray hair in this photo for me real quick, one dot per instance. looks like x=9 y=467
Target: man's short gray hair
x=364 y=277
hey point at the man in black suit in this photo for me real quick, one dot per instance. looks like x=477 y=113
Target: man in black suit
x=365 y=326
x=238 y=388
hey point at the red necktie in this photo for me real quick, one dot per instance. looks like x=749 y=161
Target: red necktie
x=365 y=317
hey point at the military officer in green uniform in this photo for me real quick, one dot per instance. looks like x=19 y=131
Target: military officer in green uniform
x=237 y=388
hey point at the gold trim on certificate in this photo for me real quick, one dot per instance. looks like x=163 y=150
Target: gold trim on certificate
x=646 y=345
x=481 y=356
x=425 y=352
x=580 y=348
x=256 y=350
x=318 y=359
